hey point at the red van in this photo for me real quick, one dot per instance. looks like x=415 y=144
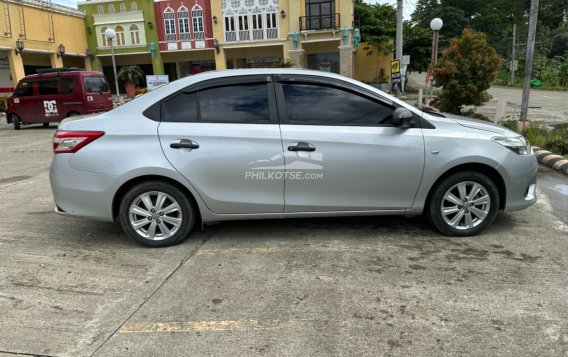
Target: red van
x=55 y=94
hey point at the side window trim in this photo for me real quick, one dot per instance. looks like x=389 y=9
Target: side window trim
x=283 y=112
x=226 y=82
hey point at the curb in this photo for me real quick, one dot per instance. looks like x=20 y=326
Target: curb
x=549 y=159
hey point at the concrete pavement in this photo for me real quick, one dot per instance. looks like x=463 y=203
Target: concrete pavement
x=358 y=286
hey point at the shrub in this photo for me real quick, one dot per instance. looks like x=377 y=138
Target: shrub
x=130 y=74
x=465 y=71
x=510 y=124
x=2 y=105
x=536 y=133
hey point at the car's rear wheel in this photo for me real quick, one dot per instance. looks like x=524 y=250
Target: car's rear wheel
x=463 y=204
x=156 y=214
x=15 y=121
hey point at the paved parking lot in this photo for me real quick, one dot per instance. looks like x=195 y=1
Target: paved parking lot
x=321 y=287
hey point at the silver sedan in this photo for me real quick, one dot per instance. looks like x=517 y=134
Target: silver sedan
x=280 y=143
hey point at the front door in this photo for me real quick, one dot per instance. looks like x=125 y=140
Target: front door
x=343 y=154
x=225 y=140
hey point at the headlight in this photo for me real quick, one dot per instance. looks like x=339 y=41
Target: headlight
x=518 y=144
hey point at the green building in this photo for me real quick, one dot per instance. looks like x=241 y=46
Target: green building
x=136 y=41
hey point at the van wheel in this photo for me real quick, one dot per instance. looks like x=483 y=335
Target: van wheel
x=463 y=204
x=16 y=121
x=45 y=125
x=156 y=214
x=72 y=114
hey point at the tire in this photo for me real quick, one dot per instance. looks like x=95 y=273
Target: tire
x=16 y=121
x=448 y=212
x=46 y=125
x=72 y=114
x=137 y=205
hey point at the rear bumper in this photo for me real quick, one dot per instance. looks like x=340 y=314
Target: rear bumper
x=73 y=188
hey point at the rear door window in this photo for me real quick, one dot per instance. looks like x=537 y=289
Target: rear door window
x=25 y=89
x=95 y=85
x=235 y=104
x=48 y=87
x=67 y=85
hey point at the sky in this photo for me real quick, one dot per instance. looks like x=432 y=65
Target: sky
x=408 y=4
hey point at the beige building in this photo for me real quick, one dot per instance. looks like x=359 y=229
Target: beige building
x=38 y=34
x=314 y=34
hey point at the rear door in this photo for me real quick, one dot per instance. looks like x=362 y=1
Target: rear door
x=48 y=106
x=343 y=153
x=96 y=94
x=223 y=136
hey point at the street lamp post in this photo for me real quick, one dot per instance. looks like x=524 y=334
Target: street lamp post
x=110 y=35
x=436 y=25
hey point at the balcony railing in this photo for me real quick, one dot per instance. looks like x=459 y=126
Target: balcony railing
x=230 y=36
x=271 y=33
x=184 y=36
x=319 y=22
x=199 y=36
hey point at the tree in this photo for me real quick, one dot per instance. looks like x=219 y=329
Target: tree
x=465 y=71
x=376 y=20
x=417 y=44
x=424 y=12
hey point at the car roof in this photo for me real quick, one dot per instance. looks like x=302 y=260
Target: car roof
x=50 y=75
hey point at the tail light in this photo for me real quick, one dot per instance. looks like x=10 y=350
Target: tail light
x=72 y=141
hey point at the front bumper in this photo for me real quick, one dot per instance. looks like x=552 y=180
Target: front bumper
x=519 y=173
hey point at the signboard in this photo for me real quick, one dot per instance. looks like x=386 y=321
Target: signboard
x=153 y=82
x=395 y=74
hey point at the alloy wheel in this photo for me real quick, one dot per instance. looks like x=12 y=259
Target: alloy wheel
x=465 y=205
x=155 y=215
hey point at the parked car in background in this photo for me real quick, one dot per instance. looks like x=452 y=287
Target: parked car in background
x=282 y=143
x=54 y=94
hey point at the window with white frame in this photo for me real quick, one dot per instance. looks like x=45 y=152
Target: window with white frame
x=183 y=21
x=134 y=35
x=122 y=7
x=244 y=34
x=257 y=27
x=230 y=34
x=119 y=35
x=133 y=6
x=197 y=22
x=104 y=41
x=111 y=9
x=169 y=24
x=100 y=10
x=271 y=25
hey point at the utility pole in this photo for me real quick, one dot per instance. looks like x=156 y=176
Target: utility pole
x=399 y=17
x=513 y=55
x=529 y=62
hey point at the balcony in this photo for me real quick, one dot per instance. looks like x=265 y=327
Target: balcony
x=319 y=22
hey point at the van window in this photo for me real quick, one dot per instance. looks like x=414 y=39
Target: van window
x=67 y=85
x=95 y=85
x=25 y=89
x=48 y=87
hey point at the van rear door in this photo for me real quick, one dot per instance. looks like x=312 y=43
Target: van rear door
x=48 y=107
x=97 y=94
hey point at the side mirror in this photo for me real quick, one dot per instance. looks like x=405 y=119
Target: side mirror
x=402 y=118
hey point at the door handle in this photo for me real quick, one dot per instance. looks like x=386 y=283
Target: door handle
x=185 y=144
x=302 y=147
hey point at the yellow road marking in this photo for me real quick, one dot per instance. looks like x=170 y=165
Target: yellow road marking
x=222 y=325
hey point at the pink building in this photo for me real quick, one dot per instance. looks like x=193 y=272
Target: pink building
x=185 y=36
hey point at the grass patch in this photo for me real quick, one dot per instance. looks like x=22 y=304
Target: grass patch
x=538 y=134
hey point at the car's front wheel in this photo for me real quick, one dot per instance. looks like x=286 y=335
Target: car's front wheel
x=463 y=204
x=156 y=214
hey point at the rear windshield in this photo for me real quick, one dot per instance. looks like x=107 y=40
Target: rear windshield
x=95 y=85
